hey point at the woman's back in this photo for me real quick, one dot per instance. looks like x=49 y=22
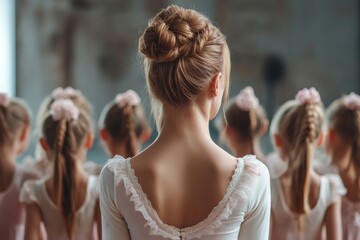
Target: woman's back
x=242 y=212
x=177 y=180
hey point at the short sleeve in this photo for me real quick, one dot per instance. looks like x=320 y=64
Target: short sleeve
x=28 y=192
x=257 y=219
x=336 y=188
x=113 y=223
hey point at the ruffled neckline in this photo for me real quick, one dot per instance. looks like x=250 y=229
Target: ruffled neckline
x=157 y=227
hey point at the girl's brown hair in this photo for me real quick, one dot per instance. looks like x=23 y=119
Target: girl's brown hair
x=12 y=117
x=124 y=124
x=248 y=122
x=64 y=137
x=182 y=51
x=77 y=97
x=346 y=121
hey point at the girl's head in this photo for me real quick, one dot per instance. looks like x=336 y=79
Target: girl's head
x=63 y=93
x=344 y=131
x=245 y=118
x=296 y=128
x=123 y=123
x=14 y=124
x=184 y=56
x=65 y=138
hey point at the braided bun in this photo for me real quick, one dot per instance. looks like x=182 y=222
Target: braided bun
x=182 y=51
x=174 y=33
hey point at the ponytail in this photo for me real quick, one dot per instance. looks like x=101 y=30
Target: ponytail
x=64 y=174
x=300 y=124
x=300 y=160
x=64 y=129
x=129 y=130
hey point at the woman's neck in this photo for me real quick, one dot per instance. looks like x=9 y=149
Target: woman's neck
x=7 y=168
x=186 y=122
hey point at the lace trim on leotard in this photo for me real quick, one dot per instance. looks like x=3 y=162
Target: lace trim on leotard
x=123 y=172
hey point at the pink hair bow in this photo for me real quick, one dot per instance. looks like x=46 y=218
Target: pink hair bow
x=130 y=97
x=308 y=96
x=67 y=92
x=352 y=101
x=64 y=109
x=246 y=99
x=4 y=100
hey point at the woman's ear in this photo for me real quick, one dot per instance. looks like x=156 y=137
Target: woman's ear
x=215 y=85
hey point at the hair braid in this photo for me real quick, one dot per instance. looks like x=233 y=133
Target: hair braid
x=69 y=186
x=59 y=161
x=63 y=179
x=300 y=160
x=129 y=129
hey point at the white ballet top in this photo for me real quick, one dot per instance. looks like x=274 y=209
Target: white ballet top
x=34 y=191
x=12 y=218
x=243 y=213
x=350 y=212
x=284 y=225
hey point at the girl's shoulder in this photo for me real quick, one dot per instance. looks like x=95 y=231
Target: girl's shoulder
x=332 y=187
x=31 y=191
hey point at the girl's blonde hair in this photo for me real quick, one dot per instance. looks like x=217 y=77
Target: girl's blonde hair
x=182 y=51
x=299 y=125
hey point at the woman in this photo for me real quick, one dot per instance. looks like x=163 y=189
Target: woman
x=184 y=186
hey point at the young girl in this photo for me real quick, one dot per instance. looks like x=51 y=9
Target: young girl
x=123 y=126
x=303 y=203
x=40 y=164
x=246 y=123
x=66 y=202
x=184 y=186
x=14 y=136
x=343 y=146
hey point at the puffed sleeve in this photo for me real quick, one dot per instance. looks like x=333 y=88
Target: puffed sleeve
x=113 y=222
x=257 y=219
x=28 y=192
x=336 y=188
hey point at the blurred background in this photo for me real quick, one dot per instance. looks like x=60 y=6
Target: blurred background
x=277 y=46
